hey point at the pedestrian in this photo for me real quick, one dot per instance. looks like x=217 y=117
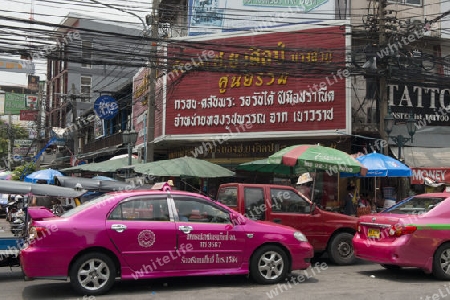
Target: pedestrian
x=390 y=197
x=349 y=207
x=304 y=183
x=363 y=202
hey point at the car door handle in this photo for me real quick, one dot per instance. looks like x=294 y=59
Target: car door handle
x=118 y=227
x=277 y=221
x=186 y=229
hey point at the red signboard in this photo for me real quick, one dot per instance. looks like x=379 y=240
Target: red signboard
x=28 y=115
x=437 y=174
x=140 y=97
x=291 y=82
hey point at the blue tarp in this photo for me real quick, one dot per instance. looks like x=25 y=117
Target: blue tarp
x=47 y=175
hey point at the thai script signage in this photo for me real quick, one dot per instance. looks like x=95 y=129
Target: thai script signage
x=106 y=107
x=139 y=99
x=28 y=115
x=294 y=82
x=14 y=103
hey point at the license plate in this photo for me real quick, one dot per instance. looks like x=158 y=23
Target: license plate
x=373 y=233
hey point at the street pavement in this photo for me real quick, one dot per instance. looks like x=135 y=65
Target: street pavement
x=363 y=281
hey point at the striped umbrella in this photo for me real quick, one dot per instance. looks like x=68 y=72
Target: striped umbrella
x=315 y=157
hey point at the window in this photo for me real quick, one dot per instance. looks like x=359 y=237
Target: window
x=85 y=205
x=142 y=210
x=447 y=65
x=287 y=201
x=415 y=205
x=254 y=203
x=85 y=85
x=190 y=209
x=86 y=53
x=227 y=196
x=407 y=2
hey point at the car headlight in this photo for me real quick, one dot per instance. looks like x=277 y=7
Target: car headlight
x=300 y=236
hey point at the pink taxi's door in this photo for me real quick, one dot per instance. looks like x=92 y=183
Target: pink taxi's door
x=143 y=232
x=207 y=239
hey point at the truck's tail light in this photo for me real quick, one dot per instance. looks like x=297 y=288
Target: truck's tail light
x=358 y=227
x=38 y=232
x=399 y=230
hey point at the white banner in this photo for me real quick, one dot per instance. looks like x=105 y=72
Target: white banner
x=217 y=16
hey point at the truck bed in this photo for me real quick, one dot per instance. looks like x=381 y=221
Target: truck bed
x=9 y=244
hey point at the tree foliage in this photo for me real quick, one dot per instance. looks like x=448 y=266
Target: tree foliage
x=23 y=170
x=7 y=132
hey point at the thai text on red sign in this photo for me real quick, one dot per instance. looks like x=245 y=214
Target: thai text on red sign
x=284 y=81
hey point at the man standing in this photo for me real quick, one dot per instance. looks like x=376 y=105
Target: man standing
x=349 y=207
x=304 y=185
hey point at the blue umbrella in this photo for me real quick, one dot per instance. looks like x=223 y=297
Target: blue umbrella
x=47 y=175
x=380 y=165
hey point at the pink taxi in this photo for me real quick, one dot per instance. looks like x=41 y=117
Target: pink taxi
x=151 y=234
x=413 y=233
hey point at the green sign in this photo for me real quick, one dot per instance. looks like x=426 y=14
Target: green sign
x=14 y=103
x=23 y=142
x=299 y=5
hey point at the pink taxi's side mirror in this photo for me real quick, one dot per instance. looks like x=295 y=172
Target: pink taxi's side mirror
x=237 y=219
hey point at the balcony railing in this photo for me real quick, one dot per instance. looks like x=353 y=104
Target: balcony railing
x=104 y=142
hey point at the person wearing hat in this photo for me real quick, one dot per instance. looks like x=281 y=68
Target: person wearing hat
x=304 y=183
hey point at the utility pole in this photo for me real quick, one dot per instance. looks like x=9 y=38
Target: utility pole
x=10 y=142
x=154 y=27
x=383 y=104
x=73 y=100
x=39 y=124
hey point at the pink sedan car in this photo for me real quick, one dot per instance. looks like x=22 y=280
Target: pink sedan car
x=152 y=234
x=412 y=233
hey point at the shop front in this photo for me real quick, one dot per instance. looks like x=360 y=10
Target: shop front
x=430 y=167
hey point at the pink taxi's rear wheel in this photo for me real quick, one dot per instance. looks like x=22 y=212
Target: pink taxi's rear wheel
x=92 y=274
x=441 y=262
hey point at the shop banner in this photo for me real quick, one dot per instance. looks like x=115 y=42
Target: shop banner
x=33 y=82
x=216 y=16
x=291 y=82
x=427 y=104
x=14 y=103
x=28 y=115
x=436 y=174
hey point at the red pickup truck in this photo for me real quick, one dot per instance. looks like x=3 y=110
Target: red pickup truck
x=326 y=231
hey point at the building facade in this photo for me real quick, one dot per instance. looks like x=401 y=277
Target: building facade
x=82 y=67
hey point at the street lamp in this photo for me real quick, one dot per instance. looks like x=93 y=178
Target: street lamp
x=400 y=140
x=129 y=137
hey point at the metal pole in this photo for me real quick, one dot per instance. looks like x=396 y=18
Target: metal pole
x=10 y=142
x=149 y=157
x=383 y=89
x=74 y=121
x=129 y=153
x=39 y=126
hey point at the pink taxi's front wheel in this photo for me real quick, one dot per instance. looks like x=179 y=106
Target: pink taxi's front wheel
x=269 y=265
